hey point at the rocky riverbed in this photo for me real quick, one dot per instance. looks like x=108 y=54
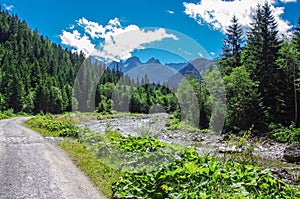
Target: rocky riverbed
x=268 y=153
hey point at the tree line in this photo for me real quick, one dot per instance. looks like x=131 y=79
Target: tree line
x=261 y=73
x=259 y=68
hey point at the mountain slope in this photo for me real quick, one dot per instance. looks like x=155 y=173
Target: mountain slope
x=193 y=69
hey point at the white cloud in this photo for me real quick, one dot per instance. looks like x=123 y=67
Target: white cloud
x=171 y=12
x=8 y=7
x=75 y=40
x=200 y=54
x=218 y=13
x=288 y=1
x=92 y=28
x=118 y=42
x=212 y=53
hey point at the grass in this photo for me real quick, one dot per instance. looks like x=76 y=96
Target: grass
x=41 y=131
x=10 y=113
x=176 y=124
x=101 y=175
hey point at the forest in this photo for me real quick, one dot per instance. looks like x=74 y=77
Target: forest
x=259 y=68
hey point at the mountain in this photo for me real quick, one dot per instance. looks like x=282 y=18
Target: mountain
x=177 y=66
x=131 y=63
x=172 y=73
x=134 y=61
x=128 y=65
x=193 y=68
x=155 y=72
x=153 y=61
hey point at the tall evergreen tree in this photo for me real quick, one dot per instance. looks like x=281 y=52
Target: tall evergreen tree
x=259 y=58
x=232 y=47
x=296 y=72
x=289 y=64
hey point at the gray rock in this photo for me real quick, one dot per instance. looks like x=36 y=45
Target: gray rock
x=292 y=154
x=231 y=149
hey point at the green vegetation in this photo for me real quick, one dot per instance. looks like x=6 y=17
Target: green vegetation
x=262 y=82
x=176 y=124
x=193 y=176
x=47 y=125
x=130 y=153
x=261 y=77
x=10 y=113
x=6 y=114
x=290 y=135
x=143 y=167
x=102 y=175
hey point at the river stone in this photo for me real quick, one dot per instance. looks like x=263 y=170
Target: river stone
x=229 y=149
x=292 y=154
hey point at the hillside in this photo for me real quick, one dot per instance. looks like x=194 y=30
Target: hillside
x=36 y=75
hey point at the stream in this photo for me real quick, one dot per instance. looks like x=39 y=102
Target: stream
x=266 y=153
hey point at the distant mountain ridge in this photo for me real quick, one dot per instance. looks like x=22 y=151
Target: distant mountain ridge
x=183 y=68
x=171 y=73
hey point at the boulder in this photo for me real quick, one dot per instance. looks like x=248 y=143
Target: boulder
x=292 y=154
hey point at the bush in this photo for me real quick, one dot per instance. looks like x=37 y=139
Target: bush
x=289 y=135
x=55 y=126
x=7 y=114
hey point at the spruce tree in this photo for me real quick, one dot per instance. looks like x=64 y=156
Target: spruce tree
x=231 y=57
x=259 y=58
x=296 y=72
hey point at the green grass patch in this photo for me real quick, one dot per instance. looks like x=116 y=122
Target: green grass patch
x=41 y=131
x=130 y=153
x=101 y=175
x=48 y=125
x=176 y=124
x=9 y=114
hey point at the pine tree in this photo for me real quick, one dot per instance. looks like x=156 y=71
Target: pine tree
x=232 y=47
x=296 y=72
x=259 y=58
x=288 y=64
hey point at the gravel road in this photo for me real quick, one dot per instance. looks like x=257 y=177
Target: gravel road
x=32 y=167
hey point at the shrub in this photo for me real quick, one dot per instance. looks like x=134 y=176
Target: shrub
x=289 y=135
x=55 y=126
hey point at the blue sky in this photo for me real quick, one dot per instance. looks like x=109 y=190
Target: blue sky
x=181 y=30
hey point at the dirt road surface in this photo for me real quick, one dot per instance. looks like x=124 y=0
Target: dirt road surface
x=32 y=167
